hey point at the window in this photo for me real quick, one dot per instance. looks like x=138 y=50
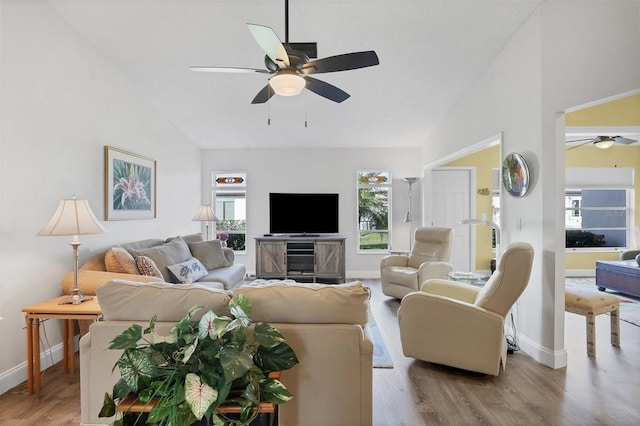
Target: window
x=230 y=193
x=597 y=218
x=374 y=201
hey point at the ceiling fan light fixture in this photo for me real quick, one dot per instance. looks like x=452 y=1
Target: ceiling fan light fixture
x=604 y=142
x=287 y=83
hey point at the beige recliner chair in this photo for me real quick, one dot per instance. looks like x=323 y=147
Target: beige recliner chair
x=461 y=325
x=403 y=274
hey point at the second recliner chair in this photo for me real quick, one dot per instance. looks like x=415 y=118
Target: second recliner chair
x=429 y=257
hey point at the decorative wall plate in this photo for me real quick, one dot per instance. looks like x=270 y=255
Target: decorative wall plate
x=515 y=175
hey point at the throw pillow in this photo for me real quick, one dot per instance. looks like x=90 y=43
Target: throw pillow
x=117 y=259
x=187 y=272
x=170 y=253
x=147 y=267
x=210 y=253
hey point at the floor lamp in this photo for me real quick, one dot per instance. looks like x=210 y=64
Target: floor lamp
x=487 y=223
x=408 y=216
x=73 y=218
x=205 y=214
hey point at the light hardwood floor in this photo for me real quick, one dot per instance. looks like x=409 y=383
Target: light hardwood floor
x=591 y=391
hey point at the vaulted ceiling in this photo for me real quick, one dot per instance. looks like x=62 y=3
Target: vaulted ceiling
x=430 y=53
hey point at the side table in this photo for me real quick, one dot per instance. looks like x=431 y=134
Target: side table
x=89 y=310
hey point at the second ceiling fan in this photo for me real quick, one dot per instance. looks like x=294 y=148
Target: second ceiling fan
x=603 y=142
x=289 y=69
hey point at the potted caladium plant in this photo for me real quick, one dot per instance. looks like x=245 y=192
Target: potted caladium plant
x=201 y=365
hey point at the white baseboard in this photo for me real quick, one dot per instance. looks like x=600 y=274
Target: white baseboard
x=555 y=360
x=11 y=378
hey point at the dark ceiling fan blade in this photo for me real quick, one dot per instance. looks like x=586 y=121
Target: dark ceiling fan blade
x=326 y=90
x=624 y=141
x=271 y=44
x=263 y=95
x=229 y=69
x=347 y=61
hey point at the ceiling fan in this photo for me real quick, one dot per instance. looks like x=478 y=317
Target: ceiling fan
x=289 y=65
x=603 y=142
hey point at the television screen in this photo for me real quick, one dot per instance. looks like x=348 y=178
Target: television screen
x=291 y=213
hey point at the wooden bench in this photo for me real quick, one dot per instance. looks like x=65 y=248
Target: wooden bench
x=591 y=304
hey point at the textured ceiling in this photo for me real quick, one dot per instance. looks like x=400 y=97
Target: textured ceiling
x=430 y=53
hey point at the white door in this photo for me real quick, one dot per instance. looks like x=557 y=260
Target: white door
x=450 y=203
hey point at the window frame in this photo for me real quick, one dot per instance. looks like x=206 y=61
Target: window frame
x=389 y=189
x=570 y=210
x=237 y=187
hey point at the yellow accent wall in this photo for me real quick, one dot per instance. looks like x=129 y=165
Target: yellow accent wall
x=484 y=161
x=622 y=112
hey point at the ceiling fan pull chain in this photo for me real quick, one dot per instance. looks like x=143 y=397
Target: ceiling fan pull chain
x=269 y=110
x=305 y=109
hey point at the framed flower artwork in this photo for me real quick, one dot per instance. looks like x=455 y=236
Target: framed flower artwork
x=130 y=185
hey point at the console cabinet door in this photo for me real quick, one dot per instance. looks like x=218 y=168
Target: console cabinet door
x=271 y=259
x=330 y=259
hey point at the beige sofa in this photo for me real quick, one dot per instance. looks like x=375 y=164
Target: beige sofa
x=116 y=263
x=324 y=324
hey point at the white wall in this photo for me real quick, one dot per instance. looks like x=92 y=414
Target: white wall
x=318 y=170
x=554 y=62
x=60 y=104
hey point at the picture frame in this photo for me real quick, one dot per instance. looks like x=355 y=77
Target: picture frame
x=130 y=185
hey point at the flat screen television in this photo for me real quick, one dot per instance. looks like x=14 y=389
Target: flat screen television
x=293 y=213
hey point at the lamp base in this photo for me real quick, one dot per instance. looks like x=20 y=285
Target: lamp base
x=74 y=299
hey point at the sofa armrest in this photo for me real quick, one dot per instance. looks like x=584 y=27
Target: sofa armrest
x=89 y=281
x=229 y=255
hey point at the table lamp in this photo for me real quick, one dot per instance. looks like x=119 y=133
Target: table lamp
x=205 y=214
x=73 y=218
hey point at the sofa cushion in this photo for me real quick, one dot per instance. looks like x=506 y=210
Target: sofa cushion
x=132 y=301
x=118 y=260
x=187 y=272
x=282 y=302
x=209 y=253
x=147 y=267
x=175 y=251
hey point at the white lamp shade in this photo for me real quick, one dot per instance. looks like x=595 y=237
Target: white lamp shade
x=287 y=83
x=73 y=217
x=205 y=214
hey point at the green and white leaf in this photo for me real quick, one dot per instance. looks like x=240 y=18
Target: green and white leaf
x=267 y=335
x=273 y=390
x=127 y=339
x=235 y=361
x=198 y=395
x=189 y=351
x=133 y=364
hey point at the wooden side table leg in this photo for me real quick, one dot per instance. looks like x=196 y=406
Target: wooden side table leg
x=65 y=345
x=35 y=334
x=30 y=375
x=71 y=358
